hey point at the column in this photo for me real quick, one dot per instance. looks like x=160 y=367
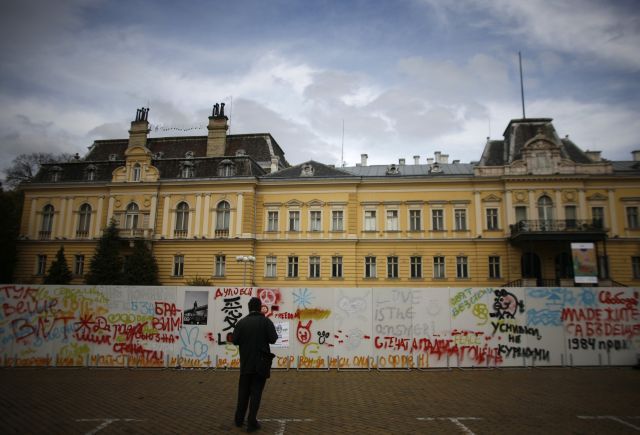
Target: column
x=72 y=223
x=165 y=215
x=196 y=231
x=112 y=200
x=531 y=215
x=191 y=219
x=238 y=229
x=509 y=212
x=152 y=213
x=559 y=207
x=613 y=212
x=206 y=231
x=59 y=220
x=478 y=210
x=582 y=204
x=97 y=227
x=33 y=230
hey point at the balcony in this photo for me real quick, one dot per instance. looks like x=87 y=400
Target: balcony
x=44 y=235
x=133 y=226
x=558 y=230
x=221 y=234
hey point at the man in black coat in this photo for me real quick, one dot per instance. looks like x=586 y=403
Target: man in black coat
x=253 y=334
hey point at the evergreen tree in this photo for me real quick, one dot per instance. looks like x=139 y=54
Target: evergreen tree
x=10 y=212
x=59 y=272
x=106 y=264
x=141 y=267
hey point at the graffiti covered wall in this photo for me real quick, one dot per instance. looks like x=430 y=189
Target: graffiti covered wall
x=320 y=328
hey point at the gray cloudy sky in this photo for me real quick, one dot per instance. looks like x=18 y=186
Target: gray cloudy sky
x=408 y=77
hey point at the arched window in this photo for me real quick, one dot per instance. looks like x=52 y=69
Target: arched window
x=187 y=171
x=182 y=219
x=223 y=215
x=84 y=220
x=131 y=216
x=91 y=173
x=545 y=208
x=226 y=168
x=137 y=172
x=47 y=221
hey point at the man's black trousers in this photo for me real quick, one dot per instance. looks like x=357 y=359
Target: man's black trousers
x=250 y=389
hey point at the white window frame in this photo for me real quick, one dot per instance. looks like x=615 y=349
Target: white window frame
x=293 y=220
x=415 y=217
x=220 y=266
x=393 y=267
x=370 y=218
x=416 y=266
x=492 y=220
x=337 y=220
x=315 y=220
x=336 y=267
x=314 y=267
x=460 y=219
x=41 y=264
x=78 y=265
x=495 y=267
x=293 y=266
x=439 y=267
x=392 y=219
x=273 y=220
x=437 y=219
x=271 y=266
x=370 y=267
x=178 y=265
x=462 y=267
x=633 y=221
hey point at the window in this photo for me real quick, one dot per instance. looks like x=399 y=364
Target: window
x=369 y=267
x=292 y=267
x=221 y=263
x=47 y=221
x=337 y=220
x=182 y=220
x=272 y=221
x=438 y=267
x=416 y=267
x=635 y=266
x=437 y=220
x=597 y=216
x=521 y=213
x=131 y=216
x=78 y=265
x=226 y=169
x=294 y=220
x=314 y=267
x=369 y=220
x=178 y=265
x=315 y=220
x=492 y=218
x=91 y=173
x=415 y=220
x=392 y=267
x=137 y=172
x=632 y=218
x=84 y=220
x=271 y=267
x=545 y=208
x=55 y=173
x=460 y=217
x=41 y=265
x=336 y=267
x=187 y=171
x=494 y=267
x=462 y=267
x=223 y=215
x=570 y=215
x=392 y=220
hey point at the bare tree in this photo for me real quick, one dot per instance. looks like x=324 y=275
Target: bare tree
x=26 y=166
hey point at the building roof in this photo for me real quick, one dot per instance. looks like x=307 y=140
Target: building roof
x=431 y=170
x=310 y=170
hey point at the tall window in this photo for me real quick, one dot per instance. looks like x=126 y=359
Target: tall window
x=416 y=267
x=462 y=267
x=369 y=220
x=292 y=267
x=187 y=171
x=178 y=265
x=492 y=218
x=91 y=173
x=41 y=265
x=635 y=266
x=369 y=267
x=392 y=267
x=272 y=221
x=315 y=220
x=337 y=220
x=47 y=221
x=78 y=265
x=415 y=220
x=294 y=220
x=226 y=169
x=597 y=216
x=314 y=267
x=221 y=265
x=84 y=220
x=460 y=219
x=392 y=220
x=545 y=208
x=137 y=172
x=182 y=219
x=438 y=267
x=437 y=220
x=521 y=213
x=271 y=268
x=570 y=215
x=131 y=216
x=223 y=215
x=336 y=267
x=632 y=218
x=494 y=267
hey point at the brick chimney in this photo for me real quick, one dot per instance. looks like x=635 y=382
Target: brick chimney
x=139 y=128
x=217 y=137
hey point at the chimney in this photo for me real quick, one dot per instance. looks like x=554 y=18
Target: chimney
x=437 y=154
x=401 y=162
x=363 y=159
x=416 y=160
x=217 y=137
x=430 y=160
x=455 y=162
x=139 y=128
x=444 y=158
x=594 y=156
x=636 y=155
x=274 y=163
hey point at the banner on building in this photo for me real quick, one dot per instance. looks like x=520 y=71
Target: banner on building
x=585 y=266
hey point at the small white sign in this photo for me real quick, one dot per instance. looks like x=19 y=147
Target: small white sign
x=282 y=328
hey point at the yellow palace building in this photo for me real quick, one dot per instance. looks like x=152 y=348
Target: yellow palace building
x=230 y=208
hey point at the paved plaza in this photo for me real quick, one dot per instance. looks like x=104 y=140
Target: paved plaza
x=520 y=401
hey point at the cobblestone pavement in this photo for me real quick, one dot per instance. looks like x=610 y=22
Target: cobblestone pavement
x=522 y=401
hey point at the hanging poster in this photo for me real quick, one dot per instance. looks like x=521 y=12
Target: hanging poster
x=585 y=267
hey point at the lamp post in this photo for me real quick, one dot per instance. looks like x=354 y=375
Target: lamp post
x=245 y=259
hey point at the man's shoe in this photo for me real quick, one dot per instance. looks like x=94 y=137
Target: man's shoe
x=252 y=427
x=238 y=423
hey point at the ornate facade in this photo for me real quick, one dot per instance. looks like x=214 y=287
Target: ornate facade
x=203 y=201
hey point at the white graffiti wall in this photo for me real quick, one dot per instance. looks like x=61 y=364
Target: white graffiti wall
x=320 y=328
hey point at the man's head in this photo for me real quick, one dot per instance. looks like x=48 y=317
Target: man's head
x=255 y=304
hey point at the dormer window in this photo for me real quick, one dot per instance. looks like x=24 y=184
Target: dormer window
x=56 y=173
x=307 y=170
x=393 y=170
x=226 y=169
x=113 y=157
x=435 y=168
x=137 y=172
x=189 y=154
x=91 y=173
x=241 y=152
x=187 y=170
x=158 y=155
